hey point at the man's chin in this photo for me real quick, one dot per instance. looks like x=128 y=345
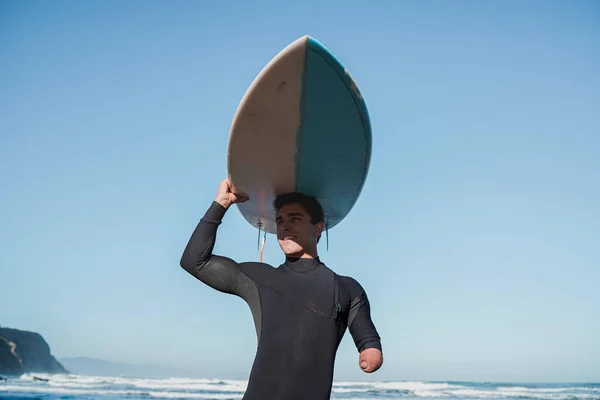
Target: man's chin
x=291 y=250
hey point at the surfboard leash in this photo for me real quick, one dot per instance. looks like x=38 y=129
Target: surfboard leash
x=258 y=242
x=263 y=245
x=327 y=235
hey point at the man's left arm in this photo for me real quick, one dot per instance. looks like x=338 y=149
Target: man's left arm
x=364 y=333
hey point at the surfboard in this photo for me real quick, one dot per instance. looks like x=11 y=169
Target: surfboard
x=301 y=126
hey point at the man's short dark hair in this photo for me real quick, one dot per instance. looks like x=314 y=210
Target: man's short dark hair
x=309 y=203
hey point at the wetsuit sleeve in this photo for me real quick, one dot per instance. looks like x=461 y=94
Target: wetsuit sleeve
x=220 y=273
x=360 y=324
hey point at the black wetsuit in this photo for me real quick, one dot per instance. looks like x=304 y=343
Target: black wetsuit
x=300 y=309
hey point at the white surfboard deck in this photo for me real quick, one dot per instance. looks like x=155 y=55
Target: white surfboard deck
x=302 y=125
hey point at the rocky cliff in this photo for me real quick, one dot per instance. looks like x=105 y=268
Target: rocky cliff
x=23 y=351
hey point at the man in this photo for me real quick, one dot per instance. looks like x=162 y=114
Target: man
x=300 y=309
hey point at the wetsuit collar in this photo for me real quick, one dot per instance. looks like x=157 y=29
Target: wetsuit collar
x=302 y=264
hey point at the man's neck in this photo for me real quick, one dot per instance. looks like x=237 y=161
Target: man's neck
x=294 y=257
x=302 y=264
x=305 y=254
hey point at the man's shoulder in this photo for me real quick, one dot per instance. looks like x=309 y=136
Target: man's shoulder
x=347 y=281
x=257 y=270
x=350 y=284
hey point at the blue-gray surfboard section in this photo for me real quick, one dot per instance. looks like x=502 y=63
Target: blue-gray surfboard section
x=335 y=138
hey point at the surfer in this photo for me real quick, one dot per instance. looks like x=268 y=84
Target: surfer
x=301 y=309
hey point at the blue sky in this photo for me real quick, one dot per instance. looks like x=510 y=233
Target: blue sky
x=476 y=234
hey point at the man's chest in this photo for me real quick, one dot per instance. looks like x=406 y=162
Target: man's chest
x=314 y=290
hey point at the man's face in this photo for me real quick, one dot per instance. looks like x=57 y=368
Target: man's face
x=295 y=232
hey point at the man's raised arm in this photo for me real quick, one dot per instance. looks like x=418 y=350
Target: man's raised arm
x=220 y=273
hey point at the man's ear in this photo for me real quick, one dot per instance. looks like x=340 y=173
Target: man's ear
x=319 y=226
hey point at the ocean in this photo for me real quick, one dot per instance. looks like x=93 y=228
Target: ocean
x=66 y=387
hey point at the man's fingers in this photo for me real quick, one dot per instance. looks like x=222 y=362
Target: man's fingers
x=237 y=197
x=241 y=198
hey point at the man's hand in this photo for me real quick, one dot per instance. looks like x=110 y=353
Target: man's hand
x=370 y=360
x=225 y=195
